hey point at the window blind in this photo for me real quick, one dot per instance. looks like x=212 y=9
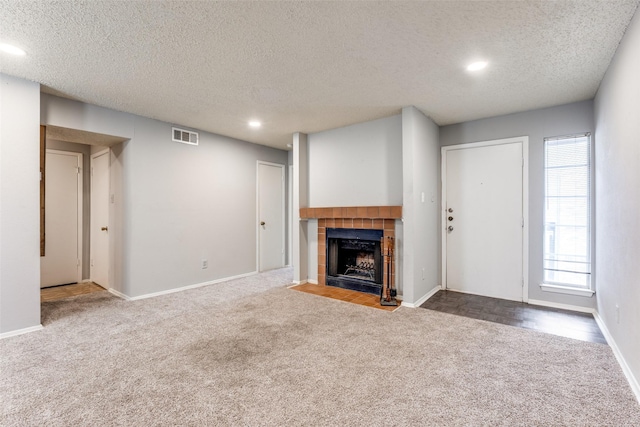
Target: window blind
x=567 y=218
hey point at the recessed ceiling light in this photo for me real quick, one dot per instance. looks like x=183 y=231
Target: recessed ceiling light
x=13 y=50
x=475 y=66
x=255 y=124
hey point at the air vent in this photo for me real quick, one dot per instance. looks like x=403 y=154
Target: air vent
x=185 y=136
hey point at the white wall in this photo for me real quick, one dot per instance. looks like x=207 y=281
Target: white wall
x=536 y=124
x=357 y=165
x=617 y=113
x=421 y=218
x=19 y=204
x=174 y=204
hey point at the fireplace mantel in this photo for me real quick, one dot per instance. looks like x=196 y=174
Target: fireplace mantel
x=353 y=212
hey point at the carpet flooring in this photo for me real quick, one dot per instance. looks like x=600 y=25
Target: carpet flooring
x=252 y=352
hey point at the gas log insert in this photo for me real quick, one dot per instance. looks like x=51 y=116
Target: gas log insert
x=354 y=259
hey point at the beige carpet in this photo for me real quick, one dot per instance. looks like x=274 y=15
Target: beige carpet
x=251 y=352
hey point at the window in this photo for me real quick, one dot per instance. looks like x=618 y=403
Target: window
x=567 y=215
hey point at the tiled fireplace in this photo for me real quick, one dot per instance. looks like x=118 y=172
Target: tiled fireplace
x=355 y=230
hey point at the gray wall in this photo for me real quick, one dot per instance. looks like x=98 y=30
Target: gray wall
x=617 y=115
x=357 y=165
x=420 y=239
x=174 y=204
x=19 y=204
x=86 y=194
x=536 y=124
x=187 y=203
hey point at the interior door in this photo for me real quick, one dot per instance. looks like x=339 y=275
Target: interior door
x=100 y=218
x=270 y=216
x=63 y=219
x=484 y=220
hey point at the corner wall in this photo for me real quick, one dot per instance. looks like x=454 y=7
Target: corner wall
x=420 y=245
x=617 y=109
x=19 y=205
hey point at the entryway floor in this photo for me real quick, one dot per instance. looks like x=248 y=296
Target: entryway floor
x=346 y=295
x=65 y=291
x=570 y=324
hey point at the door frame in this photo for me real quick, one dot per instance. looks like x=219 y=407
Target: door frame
x=80 y=184
x=524 y=140
x=282 y=170
x=106 y=151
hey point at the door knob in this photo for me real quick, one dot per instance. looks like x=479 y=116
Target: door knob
x=262 y=223
x=104 y=228
x=450 y=210
x=450 y=218
x=450 y=228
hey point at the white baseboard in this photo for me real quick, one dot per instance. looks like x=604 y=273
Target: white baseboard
x=422 y=300
x=562 y=306
x=313 y=282
x=183 y=288
x=299 y=282
x=20 y=331
x=633 y=382
x=119 y=294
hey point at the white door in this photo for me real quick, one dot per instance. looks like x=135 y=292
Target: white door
x=61 y=263
x=270 y=216
x=100 y=218
x=483 y=219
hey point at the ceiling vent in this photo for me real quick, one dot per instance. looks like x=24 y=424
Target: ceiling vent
x=185 y=136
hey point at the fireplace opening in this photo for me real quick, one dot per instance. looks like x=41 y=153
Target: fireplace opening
x=354 y=259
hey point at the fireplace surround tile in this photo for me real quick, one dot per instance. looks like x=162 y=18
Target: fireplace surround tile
x=358 y=217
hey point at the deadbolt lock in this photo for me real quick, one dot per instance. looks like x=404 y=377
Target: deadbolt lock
x=450 y=210
x=450 y=218
x=450 y=228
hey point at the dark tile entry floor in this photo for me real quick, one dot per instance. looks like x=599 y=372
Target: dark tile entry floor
x=570 y=324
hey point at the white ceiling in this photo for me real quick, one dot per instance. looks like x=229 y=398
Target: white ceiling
x=311 y=66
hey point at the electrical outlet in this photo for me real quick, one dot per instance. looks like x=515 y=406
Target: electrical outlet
x=617 y=314
x=205 y=264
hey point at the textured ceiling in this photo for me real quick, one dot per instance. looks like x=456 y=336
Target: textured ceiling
x=311 y=66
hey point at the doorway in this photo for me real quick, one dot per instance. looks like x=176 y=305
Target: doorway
x=271 y=213
x=484 y=218
x=62 y=260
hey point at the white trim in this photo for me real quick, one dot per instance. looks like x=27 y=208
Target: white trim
x=183 y=288
x=299 y=282
x=562 y=306
x=284 y=210
x=20 y=331
x=524 y=140
x=633 y=382
x=559 y=289
x=119 y=294
x=422 y=300
x=313 y=282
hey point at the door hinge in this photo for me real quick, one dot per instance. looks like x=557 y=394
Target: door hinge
x=78 y=171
